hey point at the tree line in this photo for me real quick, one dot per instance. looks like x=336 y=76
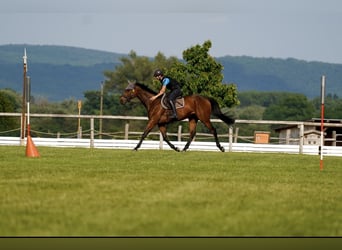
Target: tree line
x=198 y=72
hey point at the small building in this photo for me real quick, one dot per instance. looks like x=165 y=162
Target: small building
x=312 y=134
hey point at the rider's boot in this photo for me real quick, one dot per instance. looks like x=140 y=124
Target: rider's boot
x=174 y=113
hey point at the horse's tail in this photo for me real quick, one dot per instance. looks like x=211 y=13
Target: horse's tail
x=215 y=109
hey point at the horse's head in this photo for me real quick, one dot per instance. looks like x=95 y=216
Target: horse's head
x=129 y=93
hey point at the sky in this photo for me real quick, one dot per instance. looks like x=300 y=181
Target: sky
x=303 y=29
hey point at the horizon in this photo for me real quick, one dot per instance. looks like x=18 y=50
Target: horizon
x=60 y=71
x=119 y=53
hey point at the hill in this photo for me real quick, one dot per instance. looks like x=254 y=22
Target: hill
x=57 y=55
x=60 y=72
x=290 y=75
x=56 y=72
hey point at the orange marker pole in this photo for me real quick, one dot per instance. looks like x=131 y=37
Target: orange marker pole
x=23 y=109
x=31 y=150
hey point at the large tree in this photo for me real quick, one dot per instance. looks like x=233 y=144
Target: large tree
x=198 y=73
x=202 y=74
x=134 y=67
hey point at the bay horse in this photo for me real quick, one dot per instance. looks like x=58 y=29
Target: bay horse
x=196 y=107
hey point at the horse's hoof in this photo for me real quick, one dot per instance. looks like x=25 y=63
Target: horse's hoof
x=135 y=150
x=177 y=149
x=222 y=149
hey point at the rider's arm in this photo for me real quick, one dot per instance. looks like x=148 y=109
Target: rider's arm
x=161 y=92
x=165 y=82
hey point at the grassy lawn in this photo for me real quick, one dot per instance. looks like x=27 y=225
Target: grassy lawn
x=94 y=192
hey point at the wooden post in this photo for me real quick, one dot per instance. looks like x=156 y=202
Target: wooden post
x=79 y=133
x=288 y=136
x=126 y=130
x=160 y=141
x=230 y=136
x=301 y=138
x=91 y=132
x=79 y=129
x=334 y=138
x=179 y=134
x=236 y=135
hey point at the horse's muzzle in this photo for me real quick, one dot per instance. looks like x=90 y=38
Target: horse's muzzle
x=123 y=100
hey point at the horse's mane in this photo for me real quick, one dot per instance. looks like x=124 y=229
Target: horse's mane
x=144 y=87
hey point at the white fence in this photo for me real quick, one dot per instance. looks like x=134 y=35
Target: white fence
x=230 y=146
x=154 y=144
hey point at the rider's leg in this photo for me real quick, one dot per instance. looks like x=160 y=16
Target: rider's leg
x=174 y=112
x=172 y=100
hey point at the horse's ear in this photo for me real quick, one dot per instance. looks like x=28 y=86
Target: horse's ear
x=130 y=84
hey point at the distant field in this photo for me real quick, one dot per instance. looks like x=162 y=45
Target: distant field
x=93 y=192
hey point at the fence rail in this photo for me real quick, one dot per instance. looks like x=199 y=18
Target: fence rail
x=154 y=144
x=125 y=143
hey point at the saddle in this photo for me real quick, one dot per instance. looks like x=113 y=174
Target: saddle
x=179 y=103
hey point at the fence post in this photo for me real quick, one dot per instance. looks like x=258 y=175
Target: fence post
x=288 y=136
x=126 y=130
x=160 y=141
x=179 y=134
x=301 y=138
x=22 y=132
x=236 y=135
x=334 y=137
x=79 y=133
x=91 y=132
x=230 y=135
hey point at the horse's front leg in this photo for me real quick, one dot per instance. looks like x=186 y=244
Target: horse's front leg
x=162 y=129
x=192 y=132
x=150 y=125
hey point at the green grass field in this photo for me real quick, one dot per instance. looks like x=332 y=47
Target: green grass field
x=93 y=192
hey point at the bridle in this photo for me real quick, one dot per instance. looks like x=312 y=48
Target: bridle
x=130 y=95
x=130 y=92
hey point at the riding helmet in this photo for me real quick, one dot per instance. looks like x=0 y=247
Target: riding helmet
x=158 y=72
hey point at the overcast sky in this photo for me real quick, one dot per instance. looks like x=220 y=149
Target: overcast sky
x=302 y=29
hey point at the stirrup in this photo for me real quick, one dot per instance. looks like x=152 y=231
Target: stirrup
x=173 y=116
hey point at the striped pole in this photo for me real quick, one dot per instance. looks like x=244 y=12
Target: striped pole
x=322 y=121
x=23 y=109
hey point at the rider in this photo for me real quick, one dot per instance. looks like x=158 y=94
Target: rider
x=172 y=85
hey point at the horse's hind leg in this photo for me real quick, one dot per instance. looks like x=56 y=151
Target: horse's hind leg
x=162 y=129
x=217 y=140
x=192 y=131
x=213 y=131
